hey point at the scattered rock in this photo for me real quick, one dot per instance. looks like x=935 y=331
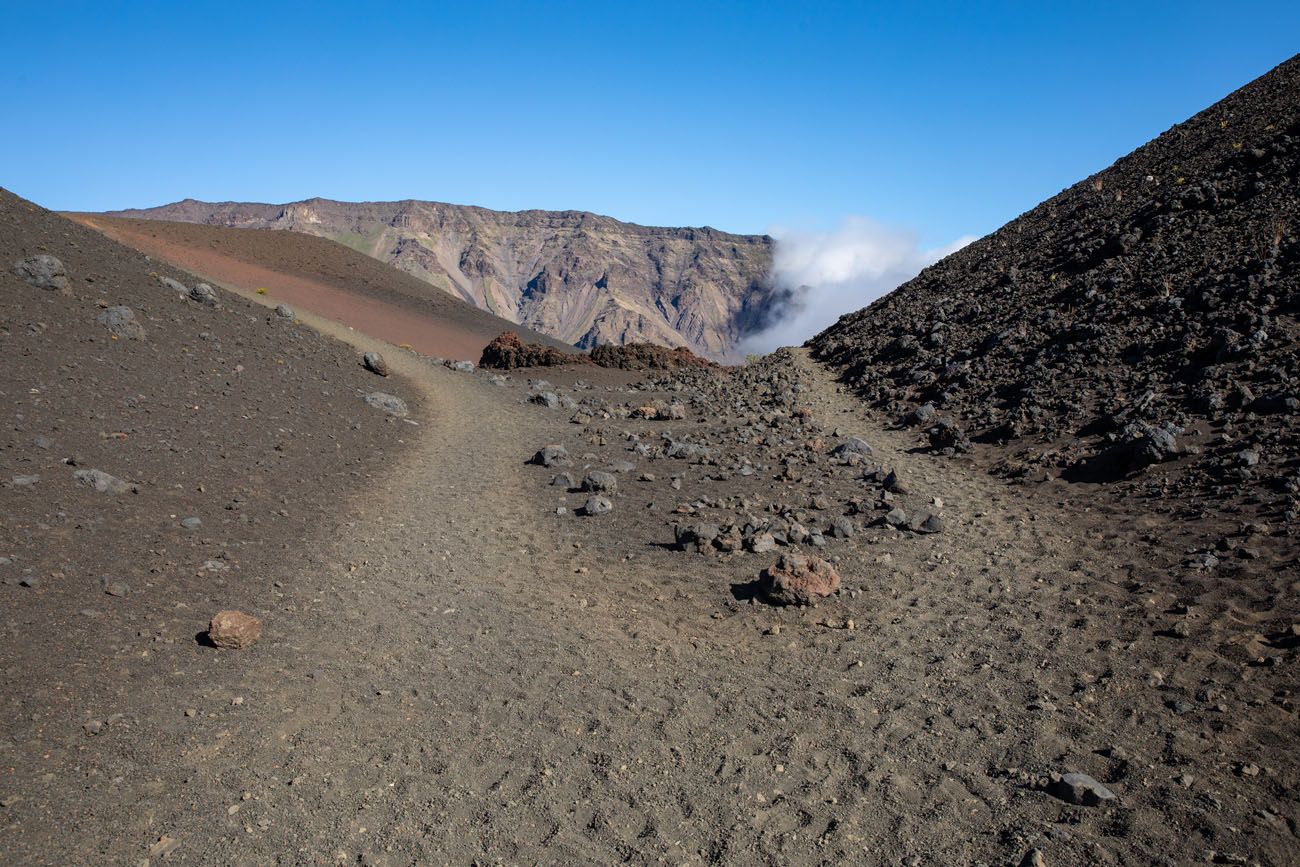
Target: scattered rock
x=284 y=311
x=853 y=446
x=552 y=456
x=44 y=272
x=203 y=294
x=797 y=579
x=175 y=285
x=1033 y=858
x=121 y=323
x=389 y=403
x=600 y=482
x=597 y=506
x=103 y=482
x=1079 y=789
x=948 y=438
x=234 y=630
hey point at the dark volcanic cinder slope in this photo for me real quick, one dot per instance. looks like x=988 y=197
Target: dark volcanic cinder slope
x=225 y=413
x=1146 y=315
x=319 y=275
x=579 y=277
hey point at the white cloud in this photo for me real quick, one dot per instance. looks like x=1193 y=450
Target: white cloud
x=827 y=274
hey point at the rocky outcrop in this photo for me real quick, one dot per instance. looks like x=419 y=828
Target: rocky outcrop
x=579 y=277
x=1146 y=315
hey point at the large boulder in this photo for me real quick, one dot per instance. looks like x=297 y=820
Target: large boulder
x=44 y=272
x=799 y=579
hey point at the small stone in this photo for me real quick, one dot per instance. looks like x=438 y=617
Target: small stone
x=389 y=403
x=164 y=847
x=234 y=630
x=191 y=523
x=928 y=524
x=552 y=456
x=600 y=482
x=284 y=311
x=1080 y=789
x=102 y=482
x=93 y=727
x=597 y=506
x=853 y=446
x=1033 y=858
x=121 y=322
x=374 y=362
x=204 y=294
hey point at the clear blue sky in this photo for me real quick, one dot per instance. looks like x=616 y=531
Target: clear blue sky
x=948 y=119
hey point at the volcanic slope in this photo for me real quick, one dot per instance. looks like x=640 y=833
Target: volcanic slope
x=316 y=274
x=1138 y=327
x=579 y=277
x=462 y=663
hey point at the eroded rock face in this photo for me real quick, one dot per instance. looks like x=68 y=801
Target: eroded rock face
x=234 y=630
x=582 y=278
x=799 y=579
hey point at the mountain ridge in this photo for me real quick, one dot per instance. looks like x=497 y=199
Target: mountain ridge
x=580 y=277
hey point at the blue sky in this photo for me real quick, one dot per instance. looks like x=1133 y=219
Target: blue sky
x=943 y=119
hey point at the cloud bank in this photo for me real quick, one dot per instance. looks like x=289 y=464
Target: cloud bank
x=827 y=274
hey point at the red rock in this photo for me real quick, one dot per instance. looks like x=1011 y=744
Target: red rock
x=798 y=579
x=234 y=630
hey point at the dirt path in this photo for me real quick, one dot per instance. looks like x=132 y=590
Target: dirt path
x=460 y=675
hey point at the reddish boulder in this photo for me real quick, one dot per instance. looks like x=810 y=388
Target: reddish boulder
x=798 y=579
x=234 y=630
